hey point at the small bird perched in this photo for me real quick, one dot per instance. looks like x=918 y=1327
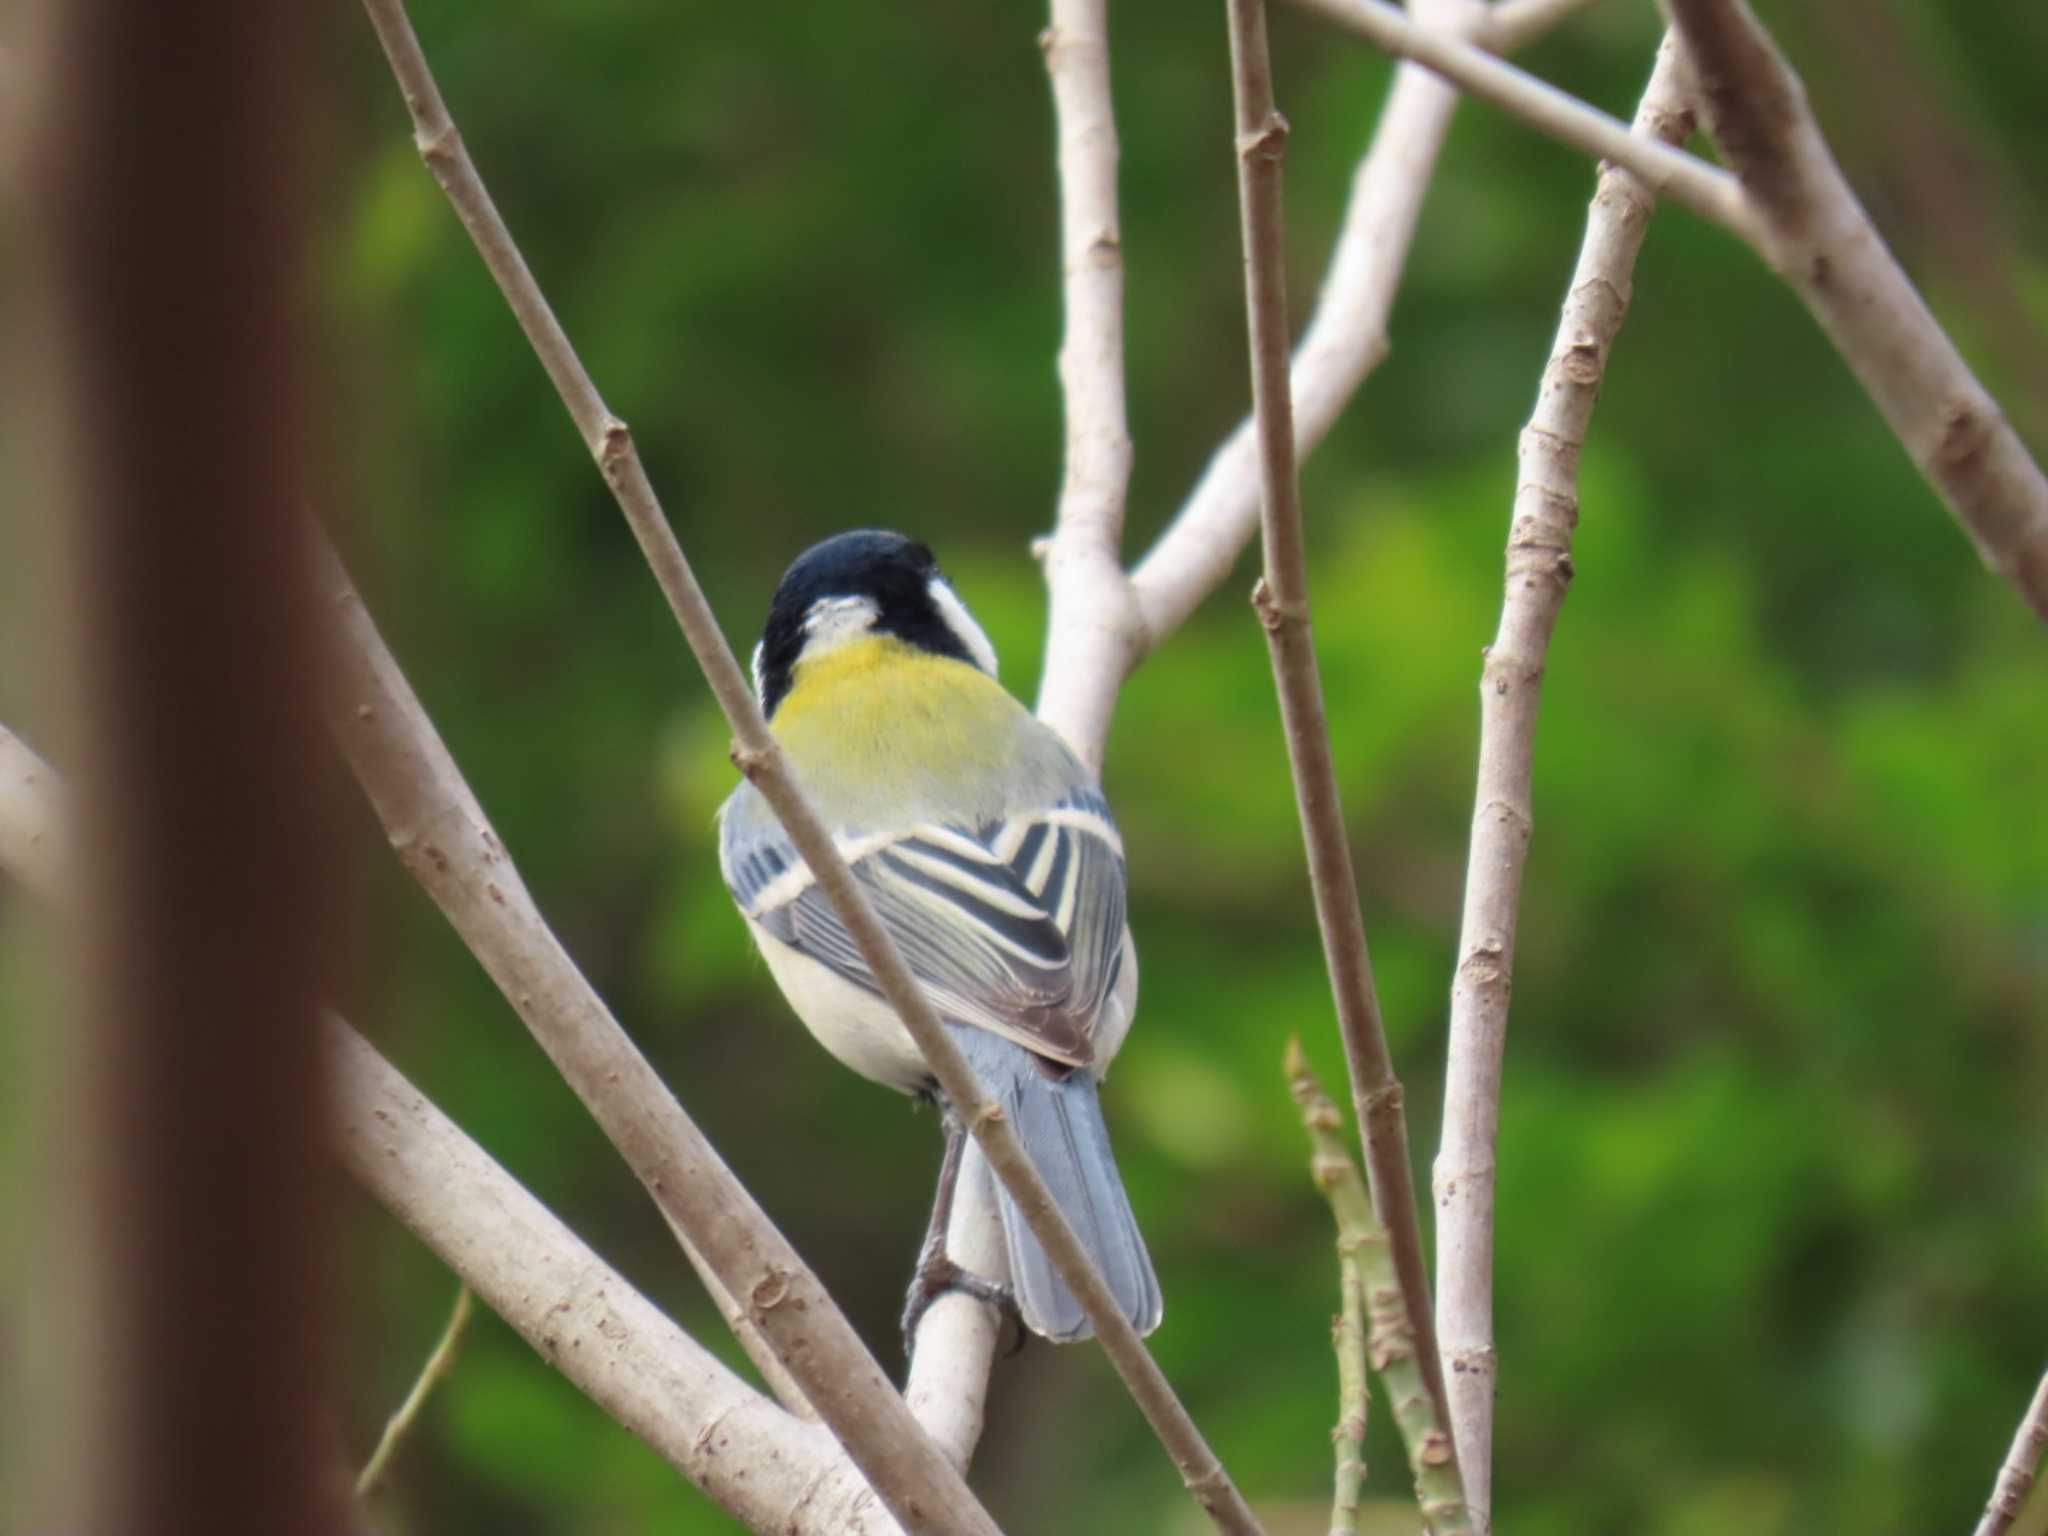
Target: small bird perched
x=990 y=856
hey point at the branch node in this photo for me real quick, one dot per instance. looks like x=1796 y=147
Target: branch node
x=1481 y=1361
x=614 y=448
x=1965 y=435
x=770 y=1291
x=1486 y=964
x=983 y=1113
x=1436 y=1450
x=1274 y=614
x=1387 y=1098
x=1326 y=1169
x=439 y=148
x=1581 y=363
x=1267 y=142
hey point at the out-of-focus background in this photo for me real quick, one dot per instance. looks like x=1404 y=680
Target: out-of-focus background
x=1773 y=1252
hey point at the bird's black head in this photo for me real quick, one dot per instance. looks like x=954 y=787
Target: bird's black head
x=866 y=582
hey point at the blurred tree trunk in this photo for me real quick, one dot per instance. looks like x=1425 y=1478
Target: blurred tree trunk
x=175 y=195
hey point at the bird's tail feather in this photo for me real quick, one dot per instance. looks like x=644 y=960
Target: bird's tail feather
x=1060 y=1123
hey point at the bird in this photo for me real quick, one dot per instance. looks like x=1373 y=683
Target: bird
x=993 y=861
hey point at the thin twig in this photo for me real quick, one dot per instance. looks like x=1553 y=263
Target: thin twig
x=2022 y=1465
x=1671 y=173
x=1282 y=601
x=438 y=1365
x=1354 y=1399
x=443 y=838
x=1092 y=634
x=760 y=758
x=1539 y=571
x=1817 y=237
x=1391 y=1342
x=771 y=1471
x=1345 y=339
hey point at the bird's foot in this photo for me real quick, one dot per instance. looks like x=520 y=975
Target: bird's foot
x=936 y=1275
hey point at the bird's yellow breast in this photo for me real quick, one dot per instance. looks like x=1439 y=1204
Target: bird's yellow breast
x=879 y=730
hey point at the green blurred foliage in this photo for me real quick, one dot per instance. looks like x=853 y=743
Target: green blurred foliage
x=1773 y=1218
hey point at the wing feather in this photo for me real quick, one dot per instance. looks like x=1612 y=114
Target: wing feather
x=1015 y=927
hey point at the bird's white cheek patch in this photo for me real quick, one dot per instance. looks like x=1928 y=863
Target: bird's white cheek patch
x=961 y=622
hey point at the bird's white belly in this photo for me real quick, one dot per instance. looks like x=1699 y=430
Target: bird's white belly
x=852 y=1023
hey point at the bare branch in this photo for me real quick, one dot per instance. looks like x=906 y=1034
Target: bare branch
x=1671 y=173
x=2022 y=1465
x=1365 y=1257
x=1817 y=237
x=1093 y=636
x=957 y=1336
x=1539 y=570
x=1282 y=600
x=760 y=758
x=767 y=1467
x=587 y=1321
x=443 y=838
x=1795 y=208
x=1344 y=341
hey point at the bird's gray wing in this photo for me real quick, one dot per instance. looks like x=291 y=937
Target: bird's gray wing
x=1016 y=927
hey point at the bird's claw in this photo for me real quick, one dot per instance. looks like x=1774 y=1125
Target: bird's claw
x=936 y=1275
